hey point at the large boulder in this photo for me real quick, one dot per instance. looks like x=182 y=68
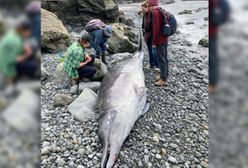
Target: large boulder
x=60 y=74
x=79 y=12
x=83 y=107
x=94 y=86
x=124 y=39
x=54 y=35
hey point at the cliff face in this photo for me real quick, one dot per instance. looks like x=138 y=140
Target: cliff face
x=79 y=12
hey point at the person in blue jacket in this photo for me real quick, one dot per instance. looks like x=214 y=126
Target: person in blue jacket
x=99 y=38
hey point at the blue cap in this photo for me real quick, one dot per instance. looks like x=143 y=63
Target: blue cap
x=108 y=30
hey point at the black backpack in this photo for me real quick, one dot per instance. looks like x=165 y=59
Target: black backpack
x=170 y=23
x=220 y=12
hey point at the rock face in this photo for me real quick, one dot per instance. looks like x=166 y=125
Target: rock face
x=79 y=12
x=83 y=107
x=54 y=35
x=124 y=39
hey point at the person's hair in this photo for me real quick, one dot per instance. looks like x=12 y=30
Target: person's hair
x=24 y=26
x=84 y=38
x=144 y=4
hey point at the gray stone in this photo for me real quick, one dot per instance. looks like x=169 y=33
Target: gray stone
x=101 y=69
x=203 y=42
x=83 y=107
x=46 y=150
x=44 y=72
x=22 y=113
x=172 y=159
x=60 y=73
x=62 y=100
x=80 y=166
x=94 y=86
x=60 y=161
x=204 y=164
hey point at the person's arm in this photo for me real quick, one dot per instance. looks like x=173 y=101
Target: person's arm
x=26 y=55
x=156 y=27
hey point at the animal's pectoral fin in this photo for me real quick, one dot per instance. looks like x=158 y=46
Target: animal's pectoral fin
x=141 y=91
x=146 y=108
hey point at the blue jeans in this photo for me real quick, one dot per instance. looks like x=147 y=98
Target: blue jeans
x=213 y=61
x=152 y=53
x=163 y=61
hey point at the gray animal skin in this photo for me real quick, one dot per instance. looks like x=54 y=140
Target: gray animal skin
x=122 y=100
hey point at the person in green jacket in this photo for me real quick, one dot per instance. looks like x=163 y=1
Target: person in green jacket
x=13 y=50
x=78 y=64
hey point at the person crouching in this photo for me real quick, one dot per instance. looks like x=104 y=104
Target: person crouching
x=78 y=64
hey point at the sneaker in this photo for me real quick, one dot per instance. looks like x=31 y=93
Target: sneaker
x=160 y=83
x=74 y=82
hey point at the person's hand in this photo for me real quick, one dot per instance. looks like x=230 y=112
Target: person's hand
x=20 y=58
x=87 y=58
x=154 y=46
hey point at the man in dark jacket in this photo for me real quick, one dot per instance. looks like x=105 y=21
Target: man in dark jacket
x=160 y=42
x=147 y=32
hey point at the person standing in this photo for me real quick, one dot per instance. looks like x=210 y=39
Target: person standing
x=147 y=32
x=219 y=13
x=160 y=42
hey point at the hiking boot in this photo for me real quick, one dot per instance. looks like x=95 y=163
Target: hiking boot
x=74 y=81
x=212 y=89
x=85 y=79
x=161 y=82
x=157 y=78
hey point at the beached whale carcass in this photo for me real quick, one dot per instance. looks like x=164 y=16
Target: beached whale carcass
x=122 y=100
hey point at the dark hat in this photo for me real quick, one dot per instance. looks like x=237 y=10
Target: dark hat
x=85 y=37
x=108 y=30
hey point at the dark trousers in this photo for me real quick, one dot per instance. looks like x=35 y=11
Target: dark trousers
x=163 y=61
x=88 y=70
x=152 y=53
x=213 y=61
x=27 y=68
